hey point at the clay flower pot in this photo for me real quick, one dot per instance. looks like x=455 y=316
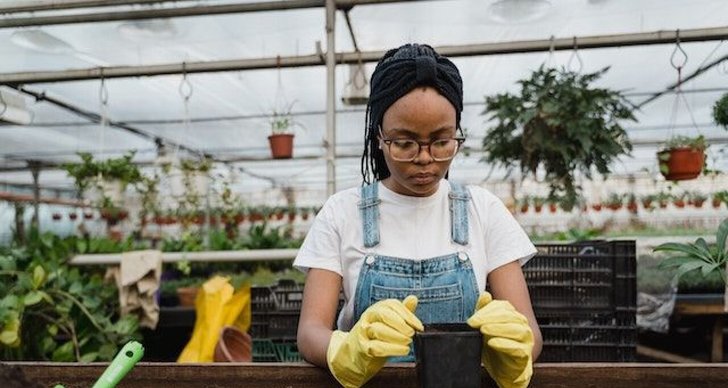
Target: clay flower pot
x=681 y=163
x=187 y=296
x=448 y=355
x=233 y=346
x=281 y=145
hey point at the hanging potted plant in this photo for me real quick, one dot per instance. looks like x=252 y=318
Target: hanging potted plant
x=682 y=158
x=281 y=137
x=559 y=123
x=109 y=178
x=720 y=111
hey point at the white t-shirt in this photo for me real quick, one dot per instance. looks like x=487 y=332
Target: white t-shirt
x=414 y=228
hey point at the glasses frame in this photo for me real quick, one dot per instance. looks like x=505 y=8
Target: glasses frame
x=420 y=144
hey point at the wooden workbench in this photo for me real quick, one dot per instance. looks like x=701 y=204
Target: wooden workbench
x=302 y=375
x=710 y=306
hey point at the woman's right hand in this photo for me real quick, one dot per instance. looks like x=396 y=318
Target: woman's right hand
x=385 y=329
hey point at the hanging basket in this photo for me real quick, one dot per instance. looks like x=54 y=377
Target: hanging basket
x=281 y=145
x=679 y=164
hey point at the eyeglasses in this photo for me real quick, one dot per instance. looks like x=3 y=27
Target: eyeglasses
x=406 y=150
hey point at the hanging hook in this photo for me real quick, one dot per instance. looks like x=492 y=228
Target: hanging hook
x=185 y=87
x=3 y=104
x=575 y=54
x=103 y=92
x=552 y=47
x=676 y=63
x=360 y=74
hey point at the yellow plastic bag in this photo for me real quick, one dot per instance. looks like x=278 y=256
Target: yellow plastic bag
x=216 y=306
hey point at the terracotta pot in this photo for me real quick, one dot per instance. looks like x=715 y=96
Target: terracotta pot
x=187 y=296
x=281 y=145
x=233 y=346
x=681 y=163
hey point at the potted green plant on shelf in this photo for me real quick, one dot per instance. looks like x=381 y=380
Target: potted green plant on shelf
x=682 y=157
x=560 y=123
x=720 y=197
x=720 y=111
x=688 y=257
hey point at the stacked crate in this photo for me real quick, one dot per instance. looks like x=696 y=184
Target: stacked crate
x=584 y=296
x=275 y=311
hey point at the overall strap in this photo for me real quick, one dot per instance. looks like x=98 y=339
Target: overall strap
x=459 y=198
x=369 y=209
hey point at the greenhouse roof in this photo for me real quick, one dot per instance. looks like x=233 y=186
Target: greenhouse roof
x=272 y=56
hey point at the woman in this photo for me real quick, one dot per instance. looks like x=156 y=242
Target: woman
x=411 y=247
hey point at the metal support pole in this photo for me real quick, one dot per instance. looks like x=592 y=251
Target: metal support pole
x=176 y=12
x=35 y=171
x=587 y=42
x=54 y=5
x=330 y=98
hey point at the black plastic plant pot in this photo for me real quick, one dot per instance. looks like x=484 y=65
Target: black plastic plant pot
x=448 y=356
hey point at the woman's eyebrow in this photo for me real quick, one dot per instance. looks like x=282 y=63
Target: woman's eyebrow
x=410 y=133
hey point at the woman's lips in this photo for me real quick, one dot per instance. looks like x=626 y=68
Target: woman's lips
x=423 y=179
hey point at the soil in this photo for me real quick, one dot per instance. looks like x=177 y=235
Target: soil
x=13 y=377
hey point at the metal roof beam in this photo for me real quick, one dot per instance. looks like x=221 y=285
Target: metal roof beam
x=55 y=5
x=175 y=12
x=499 y=48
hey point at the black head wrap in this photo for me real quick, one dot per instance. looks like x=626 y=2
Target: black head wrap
x=398 y=72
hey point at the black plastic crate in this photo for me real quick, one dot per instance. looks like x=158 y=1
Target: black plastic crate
x=572 y=336
x=284 y=296
x=596 y=275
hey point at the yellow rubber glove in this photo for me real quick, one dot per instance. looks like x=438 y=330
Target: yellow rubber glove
x=507 y=341
x=385 y=329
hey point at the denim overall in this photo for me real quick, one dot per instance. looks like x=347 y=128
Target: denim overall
x=445 y=286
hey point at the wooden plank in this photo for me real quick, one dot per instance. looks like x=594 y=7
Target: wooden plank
x=302 y=375
x=693 y=308
x=663 y=355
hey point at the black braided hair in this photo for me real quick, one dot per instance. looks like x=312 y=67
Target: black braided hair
x=398 y=72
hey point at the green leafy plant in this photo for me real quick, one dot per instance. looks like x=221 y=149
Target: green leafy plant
x=89 y=169
x=695 y=143
x=720 y=111
x=51 y=311
x=698 y=255
x=561 y=123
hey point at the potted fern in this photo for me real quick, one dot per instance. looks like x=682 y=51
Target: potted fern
x=561 y=123
x=682 y=157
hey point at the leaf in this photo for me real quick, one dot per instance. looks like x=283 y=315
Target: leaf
x=76 y=288
x=687 y=267
x=39 y=276
x=107 y=351
x=32 y=297
x=722 y=235
x=89 y=357
x=64 y=353
x=689 y=249
x=10 y=335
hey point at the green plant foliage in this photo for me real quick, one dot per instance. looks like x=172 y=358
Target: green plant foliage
x=720 y=111
x=52 y=311
x=113 y=168
x=696 y=143
x=698 y=255
x=561 y=123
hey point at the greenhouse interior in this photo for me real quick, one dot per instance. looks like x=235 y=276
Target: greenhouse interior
x=143 y=132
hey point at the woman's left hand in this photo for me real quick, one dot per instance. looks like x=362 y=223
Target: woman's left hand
x=507 y=341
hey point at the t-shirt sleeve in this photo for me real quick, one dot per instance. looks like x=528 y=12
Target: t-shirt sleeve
x=506 y=240
x=321 y=247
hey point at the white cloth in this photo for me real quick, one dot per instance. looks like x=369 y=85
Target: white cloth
x=138 y=278
x=413 y=228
